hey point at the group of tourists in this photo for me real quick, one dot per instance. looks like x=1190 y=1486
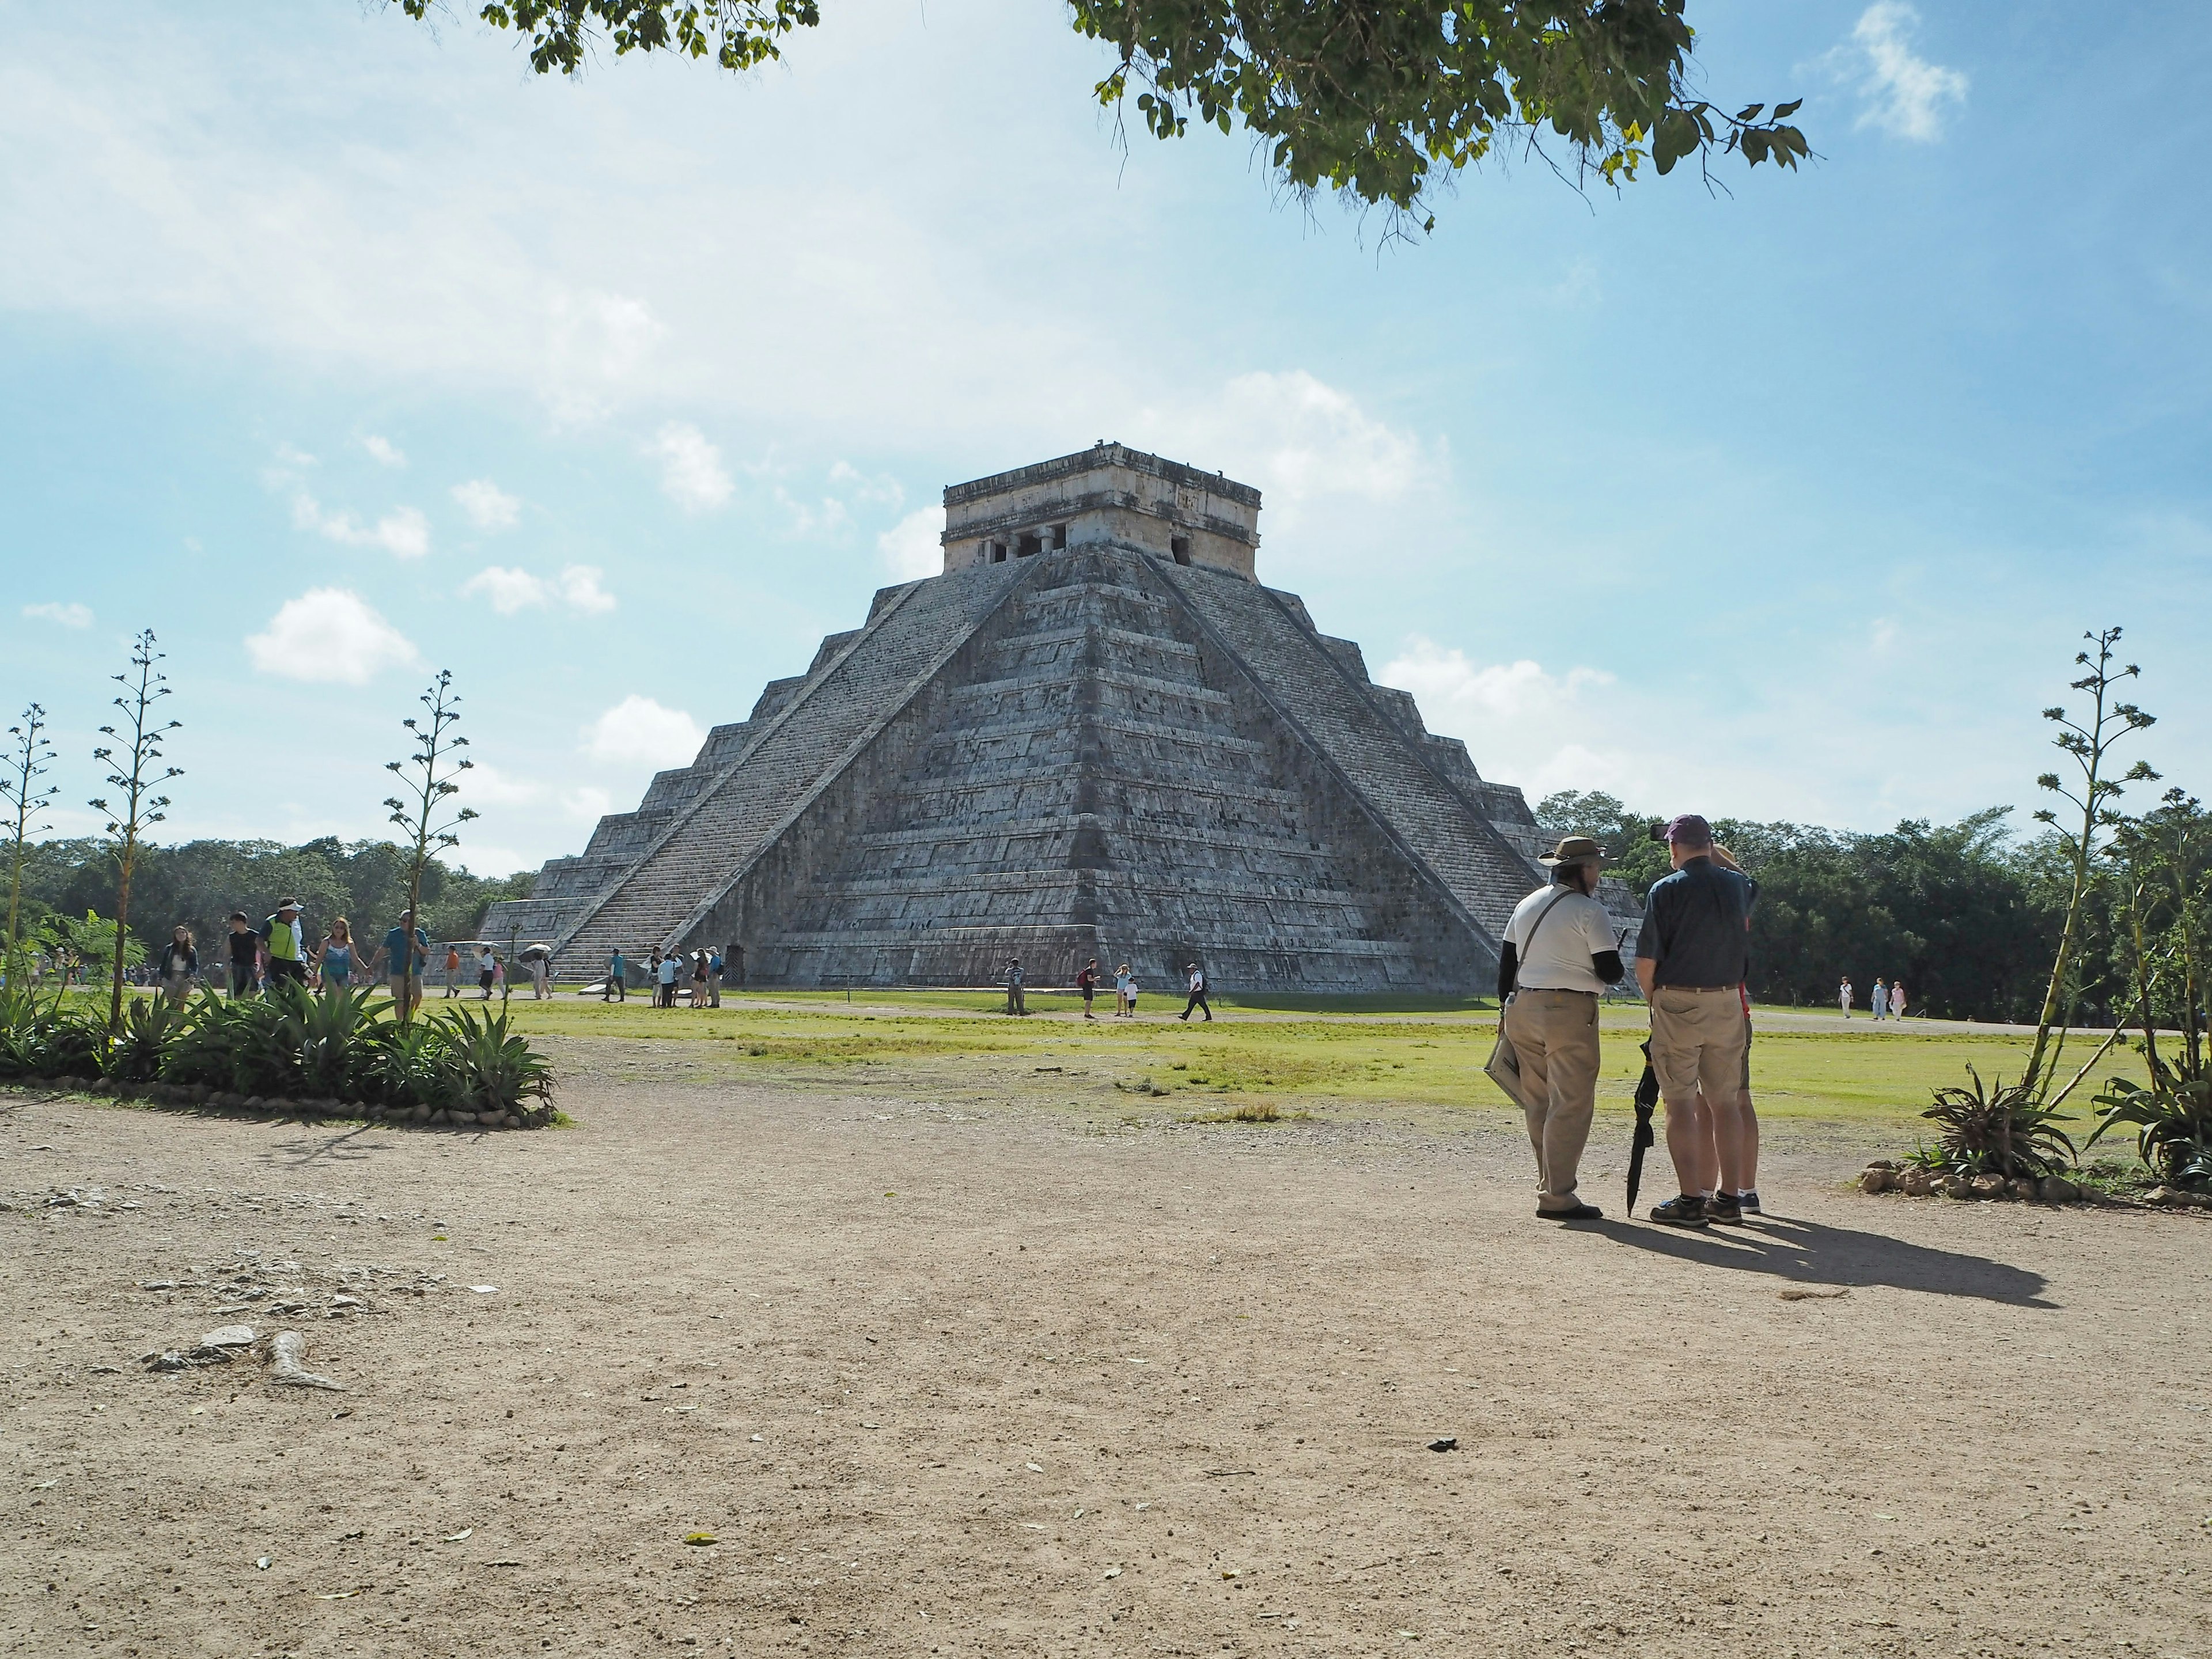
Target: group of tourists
x=256 y=958
x=1124 y=989
x=1693 y=962
x=667 y=973
x=1888 y=1000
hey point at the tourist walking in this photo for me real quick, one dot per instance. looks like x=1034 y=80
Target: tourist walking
x=1558 y=955
x=406 y=959
x=1015 y=1004
x=1086 y=981
x=452 y=971
x=245 y=946
x=1121 y=990
x=1897 y=999
x=180 y=963
x=667 y=970
x=1197 y=992
x=1879 y=999
x=335 y=955
x=285 y=940
x=1693 y=960
x=537 y=960
x=1844 y=996
x=616 y=989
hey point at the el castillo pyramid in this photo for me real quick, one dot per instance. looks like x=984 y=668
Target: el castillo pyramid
x=1095 y=734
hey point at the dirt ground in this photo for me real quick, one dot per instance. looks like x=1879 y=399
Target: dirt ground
x=996 y=1372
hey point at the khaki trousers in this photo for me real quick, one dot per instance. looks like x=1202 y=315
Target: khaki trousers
x=1554 y=1034
x=1700 y=1037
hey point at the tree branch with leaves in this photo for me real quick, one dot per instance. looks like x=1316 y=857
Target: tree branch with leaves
x=429 y=778
x=134 y=774
x=30 y=757
x=2088 y=743
x=1374 y=99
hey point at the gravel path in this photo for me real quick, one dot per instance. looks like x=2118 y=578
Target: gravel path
x=944 y=1378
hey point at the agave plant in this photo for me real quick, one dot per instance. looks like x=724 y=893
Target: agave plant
x=404 y=1063
x=487 y=1067
x=2173 y=1123
x=1999 y=1128
x=235 y=1043
x=332 y=1040
x=40 y=1038
x=135 y=1053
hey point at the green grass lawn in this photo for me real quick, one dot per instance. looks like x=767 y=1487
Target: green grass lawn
x=1381 y=1052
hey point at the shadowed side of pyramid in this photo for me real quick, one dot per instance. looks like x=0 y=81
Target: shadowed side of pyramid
x=1098 y=736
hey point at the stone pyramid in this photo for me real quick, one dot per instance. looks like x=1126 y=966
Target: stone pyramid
x=1096 y=734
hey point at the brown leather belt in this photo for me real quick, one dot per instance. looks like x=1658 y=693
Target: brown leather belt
x=1705 y=990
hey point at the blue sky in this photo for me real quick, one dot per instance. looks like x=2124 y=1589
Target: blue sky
x=339 y=350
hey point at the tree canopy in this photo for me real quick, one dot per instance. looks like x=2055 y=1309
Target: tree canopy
x=1375 y=100
x=198 y=884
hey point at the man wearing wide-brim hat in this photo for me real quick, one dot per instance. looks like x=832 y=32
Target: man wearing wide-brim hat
x=1558 y=955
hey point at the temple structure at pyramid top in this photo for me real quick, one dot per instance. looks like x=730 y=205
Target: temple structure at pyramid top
x=1095 y=734
x=1109 y=496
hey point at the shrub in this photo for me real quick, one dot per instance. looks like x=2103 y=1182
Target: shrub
x=485 y=1068
x=1998 y=1128
x=149 y=1025
x=2173 y=1123
x=40 y=1038
x=289 y=1043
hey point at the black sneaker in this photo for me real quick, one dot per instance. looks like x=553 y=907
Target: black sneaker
x=1725 y=1208
x=1688 y=1211
x=1748 y=1203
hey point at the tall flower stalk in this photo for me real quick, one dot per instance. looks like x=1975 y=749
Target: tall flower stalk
x=428 y=779
x=2088 y=743
x=135 y=773
x=30 y=757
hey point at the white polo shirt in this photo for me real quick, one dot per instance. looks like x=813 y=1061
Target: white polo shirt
x=1576 y=928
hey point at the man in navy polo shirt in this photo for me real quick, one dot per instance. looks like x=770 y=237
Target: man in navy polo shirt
x=1693 y=956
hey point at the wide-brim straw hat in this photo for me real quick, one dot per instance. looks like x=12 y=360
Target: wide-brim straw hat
x=1574 y=849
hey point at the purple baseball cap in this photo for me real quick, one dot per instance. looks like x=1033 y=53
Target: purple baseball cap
x=1690 y=830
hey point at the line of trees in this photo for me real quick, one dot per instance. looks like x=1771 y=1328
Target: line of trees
x=198 y=884
x=1967 y=914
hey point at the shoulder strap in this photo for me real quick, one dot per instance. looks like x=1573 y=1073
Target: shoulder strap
x=1565 y=892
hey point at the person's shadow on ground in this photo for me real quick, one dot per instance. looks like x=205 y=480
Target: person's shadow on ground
x=1807 y=1253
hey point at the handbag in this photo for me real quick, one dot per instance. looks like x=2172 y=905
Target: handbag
x=1503 y=1066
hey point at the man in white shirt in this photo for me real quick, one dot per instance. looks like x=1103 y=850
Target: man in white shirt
x=1559 y=954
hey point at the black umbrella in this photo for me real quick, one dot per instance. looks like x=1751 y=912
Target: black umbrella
x=1647 y=1098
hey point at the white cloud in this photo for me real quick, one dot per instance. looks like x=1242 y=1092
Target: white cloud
x=490 y=508
x=508 y=590
x=882 y=491
x=512 y=589
x=1905 y=94
x=1294 y=437
x=691 y=471
x=330 y=634
x=586 y=803
x=1522 y=723
x=486 y=786
x=579 y=587
x=639 y=731
x=69 y=616
x=404 y=532
x=910 y=548
x=386 y=453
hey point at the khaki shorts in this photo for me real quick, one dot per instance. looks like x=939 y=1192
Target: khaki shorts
x=1700 y=1037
